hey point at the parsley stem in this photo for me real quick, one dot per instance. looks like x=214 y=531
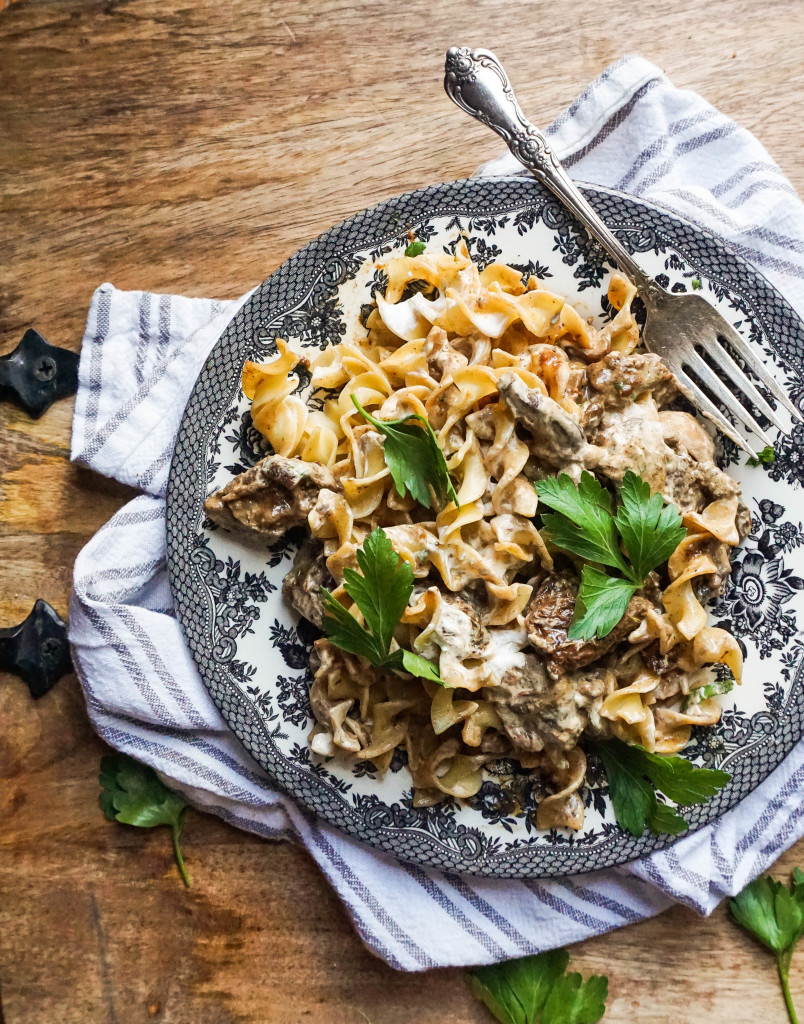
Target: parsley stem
x=175 y=832
x=783 y=966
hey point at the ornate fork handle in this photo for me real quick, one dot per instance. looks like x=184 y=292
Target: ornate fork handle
x=476 y=82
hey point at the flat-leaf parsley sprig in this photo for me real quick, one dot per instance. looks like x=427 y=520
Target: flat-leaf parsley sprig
x=382 y=594
x=583 y=523
x=132 y=793
x=414 y=457
x=537 y=989
x=774 y=915
x=635 y=774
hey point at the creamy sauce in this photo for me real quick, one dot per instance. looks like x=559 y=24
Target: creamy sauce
x=411 y=319
x=508 y=653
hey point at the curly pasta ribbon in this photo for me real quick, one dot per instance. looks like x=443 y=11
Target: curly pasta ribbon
x=564 y=809
x=622 y=332
x=472 y=488
x=713 y=645
x=674 y=728
x=440 y=353
x=507 y=602
x=656 y=626
x=718 y=520
x=453 y=639
x=439 y=270
x=331 y=517
x=629 y=712
x=683 y=608
x=364 y=491
x=445 y=711
x=479 y=722
x=278 y=415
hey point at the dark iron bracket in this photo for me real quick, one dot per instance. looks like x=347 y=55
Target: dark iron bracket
x=37 y=649
x=37 y=373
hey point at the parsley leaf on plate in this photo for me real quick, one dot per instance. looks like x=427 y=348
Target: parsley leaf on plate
x=632 y=796
x=679 y=779
x=583 y=524
x=383 y=591
x=633 y=772
x=519 y=991
x=414 y=457
x=601 y=603
x=764 y=457
x=665 y=821
x=133 y=794
x=650 y=529
x=382 y=594
x=774 y=914
x=345 y=631
x=415 y=249
x=407 y=661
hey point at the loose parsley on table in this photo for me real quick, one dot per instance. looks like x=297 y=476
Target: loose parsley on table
x=414 y=457
x=633 y=772
x=133 y=794
x=382 y=594
x=536 y=988
x=583 y=523
x=774 y=915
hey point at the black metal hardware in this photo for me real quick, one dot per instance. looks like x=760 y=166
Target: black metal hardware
x=37 y=649
x=37 y=373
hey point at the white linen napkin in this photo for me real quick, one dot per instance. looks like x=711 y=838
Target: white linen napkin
x=630 y=129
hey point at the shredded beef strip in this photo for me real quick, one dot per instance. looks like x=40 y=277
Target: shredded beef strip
x=539 y=712
x=620 y=379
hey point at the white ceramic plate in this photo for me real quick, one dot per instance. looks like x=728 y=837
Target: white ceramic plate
x=251 y=648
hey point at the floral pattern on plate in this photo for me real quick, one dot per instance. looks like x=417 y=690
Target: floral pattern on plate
x=250 y=647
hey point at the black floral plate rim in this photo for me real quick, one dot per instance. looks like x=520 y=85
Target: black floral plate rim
x=395 y=829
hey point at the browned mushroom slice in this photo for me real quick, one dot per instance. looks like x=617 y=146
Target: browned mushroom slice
x=557 y=432
x=271 y=497
x=302 y=585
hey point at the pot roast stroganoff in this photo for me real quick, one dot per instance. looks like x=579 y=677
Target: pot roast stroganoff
x=515 y=388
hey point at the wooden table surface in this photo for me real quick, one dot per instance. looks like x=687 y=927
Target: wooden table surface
x=191 y=147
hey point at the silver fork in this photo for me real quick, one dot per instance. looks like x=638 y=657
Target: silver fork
x=677 y=325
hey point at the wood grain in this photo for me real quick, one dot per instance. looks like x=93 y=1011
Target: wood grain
x=192 y=147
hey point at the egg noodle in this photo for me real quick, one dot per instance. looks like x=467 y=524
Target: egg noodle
x=517 y=386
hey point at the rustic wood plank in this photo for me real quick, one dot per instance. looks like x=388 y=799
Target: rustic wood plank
x=192 y=147
x=260 y=938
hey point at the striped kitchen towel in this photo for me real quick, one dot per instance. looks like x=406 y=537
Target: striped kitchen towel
x=630 y=129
